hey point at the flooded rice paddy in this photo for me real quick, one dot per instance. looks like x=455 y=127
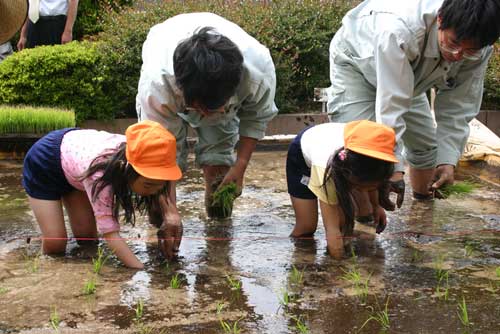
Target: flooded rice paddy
x=435 y=269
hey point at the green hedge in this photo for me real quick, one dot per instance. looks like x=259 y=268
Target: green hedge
x=64 y=76
x=91 y=14
x=491 y=96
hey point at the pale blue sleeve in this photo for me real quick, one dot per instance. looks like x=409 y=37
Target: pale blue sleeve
x=455 y=106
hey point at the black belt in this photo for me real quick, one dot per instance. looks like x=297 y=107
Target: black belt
x=52 y=18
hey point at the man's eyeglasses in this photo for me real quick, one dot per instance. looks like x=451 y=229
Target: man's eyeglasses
x=455 y=50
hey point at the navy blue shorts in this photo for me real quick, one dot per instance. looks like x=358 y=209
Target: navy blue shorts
x=43 y=177
x=297 y=171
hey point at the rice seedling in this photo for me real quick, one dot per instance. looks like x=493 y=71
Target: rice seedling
x=32 y=262
x=468 y=249
x=3 y=290
x=54 y=319
x=234 y=284
x=354 y=277
x=463 y=314
x=296 y=276
x=167 y=269
x=458 y=188
x=222 y=200
x=286 y=298
x=219 y=307
x=98 y=263
x=497 y=272
x=34 y=120
x=175 y=281
x=139 y=311
x=438 y=267
x=443 y=283
x=300 y=325
x=381 y=317
x=416 y=256
x=228 y=328
x=90 y=286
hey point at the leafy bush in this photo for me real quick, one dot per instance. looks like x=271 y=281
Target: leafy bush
x=34 y=120
x=57 y=76
x=297 y=34
x=90 y=15
x=491 y=96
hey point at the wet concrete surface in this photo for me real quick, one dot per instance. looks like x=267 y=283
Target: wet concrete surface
x=430 y=257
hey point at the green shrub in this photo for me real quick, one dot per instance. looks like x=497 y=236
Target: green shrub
x=63 y=76
x=34 y=120
x=297 y=34
x=491 y=96
x=91 y=13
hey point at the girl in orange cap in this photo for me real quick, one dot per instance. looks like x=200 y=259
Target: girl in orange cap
x=328 y=162
x=94 y=174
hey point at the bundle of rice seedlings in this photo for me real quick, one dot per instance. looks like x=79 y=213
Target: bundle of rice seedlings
x=31 y=120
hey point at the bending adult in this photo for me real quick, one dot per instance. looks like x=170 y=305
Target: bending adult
x=389 y=53
x=202 y=71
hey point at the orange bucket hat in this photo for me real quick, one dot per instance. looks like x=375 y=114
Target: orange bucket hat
x=371 y=139
x=151 y=150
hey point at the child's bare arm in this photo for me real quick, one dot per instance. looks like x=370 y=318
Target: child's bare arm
x=379 y=216
x=122 y=251
x=332 y=221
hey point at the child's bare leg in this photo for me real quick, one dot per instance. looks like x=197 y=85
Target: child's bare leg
x=306 y=216
x=81 y=216
x=362 y=202
x=50 y=218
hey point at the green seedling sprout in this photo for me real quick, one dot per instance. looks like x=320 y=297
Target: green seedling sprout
x=463 y=314
x=296 y=276
x=175 y=281
x=219 y=307
x=381 y=317
x=416 y=256
x=224 y=197
x=353 y=276
x=3 y=290
x=468 y=249
x=54 y=319
x=497 y=272
x=458 y=188
x=32 y=262
x=139 y=310
x=300 y=326
x=286 y=298
x=230 y=329
x=443 y=279
x=438 y=267
x=90 y=286
x=234 y=284
x=100 y=261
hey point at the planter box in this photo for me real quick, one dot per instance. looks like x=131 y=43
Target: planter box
x=15 y=146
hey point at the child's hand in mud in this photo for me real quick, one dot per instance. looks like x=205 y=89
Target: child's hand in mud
x=171 y=230
x=379 y=219
x=385 y=189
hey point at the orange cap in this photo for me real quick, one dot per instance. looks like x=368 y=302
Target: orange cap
x=151 y=151
x=371 y=139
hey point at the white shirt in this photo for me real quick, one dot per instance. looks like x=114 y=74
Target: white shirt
x=160 y=99
x=53 y=7
x=318 y=144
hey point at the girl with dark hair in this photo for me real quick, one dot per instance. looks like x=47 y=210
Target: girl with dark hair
x=95 y=174
x=328 y=162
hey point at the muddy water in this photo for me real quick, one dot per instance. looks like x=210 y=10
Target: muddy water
x=240 y=272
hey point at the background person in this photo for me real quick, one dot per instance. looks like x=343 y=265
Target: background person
x=389 y=53
x=327 y=162
x=203 y=71
x=94 y=174
x=49 y=22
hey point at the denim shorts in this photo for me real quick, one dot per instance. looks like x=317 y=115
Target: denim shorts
x=43 y=176
x=297 y=171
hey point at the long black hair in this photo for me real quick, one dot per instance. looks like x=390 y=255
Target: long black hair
x=118 y=173
x=346 y=164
